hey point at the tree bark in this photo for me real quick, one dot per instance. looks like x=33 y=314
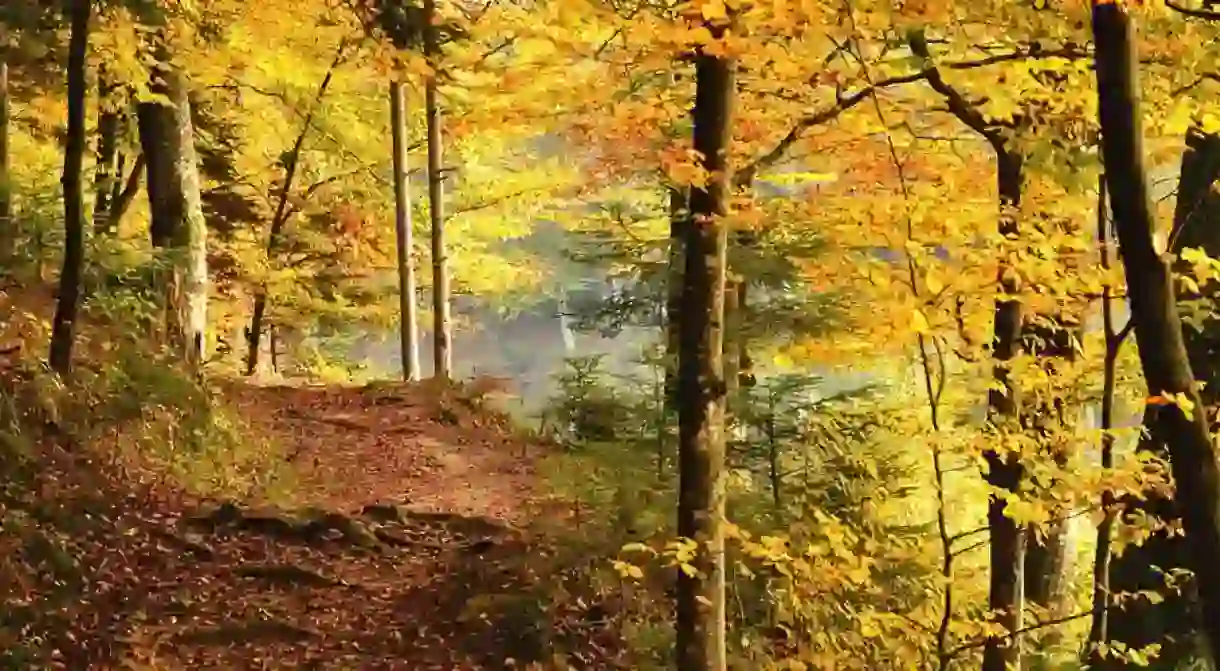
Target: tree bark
x=1007 y=547
x=8 y=232
x=404 y=234
x=107 y=171
x=442 y=328
x=701 y=387
x=679 y=216
x=177 y=226
x=1181 y=427
x=68 y=304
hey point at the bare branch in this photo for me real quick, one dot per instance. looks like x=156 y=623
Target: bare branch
x=1204 y=14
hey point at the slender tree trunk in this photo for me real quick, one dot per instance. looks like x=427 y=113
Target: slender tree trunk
x=409 y=327
x=279 y=219
x=1181 y=427
x=1099 y=627
x=108 y=169
x=64 y=324
x=679 y=216
x=8 y=232
x=731 y=354
x=745 y=364
x=177 y=226
x=701 y=440
x=442 y=327
x=1005 y=595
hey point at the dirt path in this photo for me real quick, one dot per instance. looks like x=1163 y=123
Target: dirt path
x=400 y=552
x=410 y=445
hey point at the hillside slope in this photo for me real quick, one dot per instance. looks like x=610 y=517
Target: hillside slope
x=404 y=523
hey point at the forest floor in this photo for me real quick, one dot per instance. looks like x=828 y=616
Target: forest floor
x=407 y=545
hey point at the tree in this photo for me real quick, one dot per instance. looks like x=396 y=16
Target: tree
x=290 y=163
x=404 y=236
x=1175 y=414
x=701 y=386
x=177 y=225
x=442 y=327
x=1003 y=468
x=68 y=305
x=1171 y=622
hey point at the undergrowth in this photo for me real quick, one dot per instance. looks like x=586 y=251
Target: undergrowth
x=74 y=452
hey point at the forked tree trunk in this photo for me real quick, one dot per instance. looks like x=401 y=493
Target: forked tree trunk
x=408 y=330
x=442 y=327
x=1182 y=427
x=1172 y=622
x=701 y=403
x=66 y=308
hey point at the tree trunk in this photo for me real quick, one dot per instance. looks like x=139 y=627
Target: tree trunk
x=678 y=219
x=442 y=328
x=108 y=169
x=1102 y=556
x=63 y=326
x=1005 y=595
x=1172 y=623
x=177 y=224
x=701 y=447
x=1181 y=427
x=8 y=231
x=403 y=228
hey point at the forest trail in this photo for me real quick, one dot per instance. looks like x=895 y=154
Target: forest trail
x=408 y=509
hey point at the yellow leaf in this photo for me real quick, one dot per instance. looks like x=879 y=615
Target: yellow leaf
x=919 y=322
x=714 y=10
x=934 y=284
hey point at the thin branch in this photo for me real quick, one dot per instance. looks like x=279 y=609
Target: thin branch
x=980 y=642
x=1204 y=14
x=844 y=103
x=933 y=389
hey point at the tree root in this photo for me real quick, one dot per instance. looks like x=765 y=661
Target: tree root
x=246 y=632
x=288 y=574
x=370 y=533
x=190 y=546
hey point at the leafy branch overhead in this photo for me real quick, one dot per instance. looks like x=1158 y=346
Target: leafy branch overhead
x=839 y=334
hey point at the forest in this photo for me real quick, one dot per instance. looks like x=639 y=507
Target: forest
x=609 y=334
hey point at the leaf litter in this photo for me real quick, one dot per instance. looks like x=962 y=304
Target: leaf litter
x=410 y=505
